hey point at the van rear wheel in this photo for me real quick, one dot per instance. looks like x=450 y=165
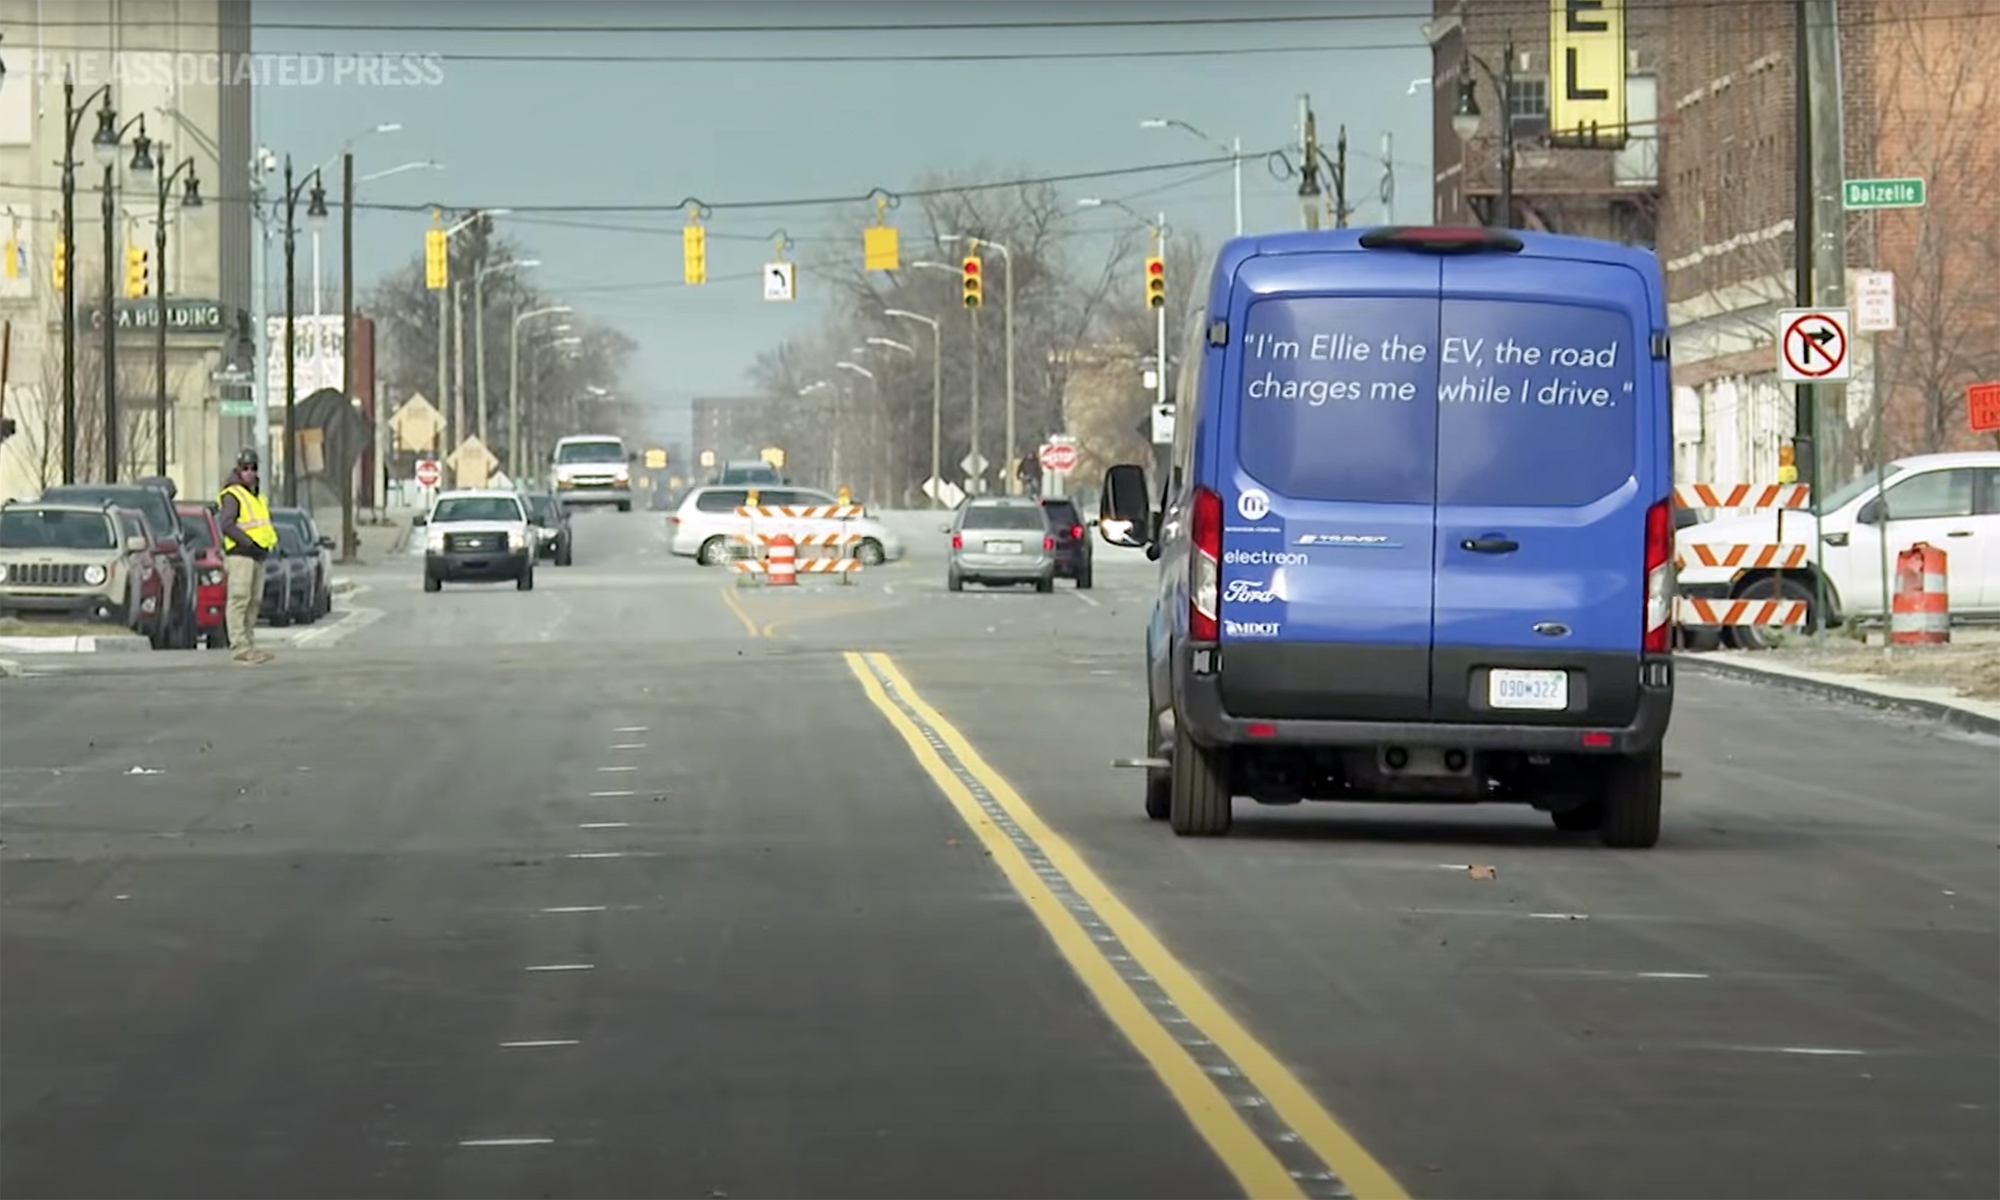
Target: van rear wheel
x=1630 y=797
x=1198 y=801
x=1159 y=784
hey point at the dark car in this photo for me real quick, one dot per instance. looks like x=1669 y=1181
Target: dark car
x=155 y=500
x=288 y=579
x=553 y=536
x=319 y=553
x=1072 y=544
x=211 y=588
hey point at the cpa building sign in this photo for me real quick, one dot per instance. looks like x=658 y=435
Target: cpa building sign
x=1587 y=72
x=183 y=316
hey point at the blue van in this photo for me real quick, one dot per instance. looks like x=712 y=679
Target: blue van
x=1415 y=533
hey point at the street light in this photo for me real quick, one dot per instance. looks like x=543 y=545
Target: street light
x=1465 y=122
x=316 y=218
x=190 y=198
x=479 y=274
x=937 y=394
x=446 y=300
x=345 y=157
x=1158 y=225
x=66 y=253
x=515 y=443
x=426 y=165
x=1235 y=149
x=973 y=363
x=110 y=136
x=1007 y=340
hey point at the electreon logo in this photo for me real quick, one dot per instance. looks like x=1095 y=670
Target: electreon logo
x=1265 y=558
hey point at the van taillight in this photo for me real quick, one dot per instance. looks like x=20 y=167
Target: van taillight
x=957 y=541
x=1205 y=567
x=1659 y=578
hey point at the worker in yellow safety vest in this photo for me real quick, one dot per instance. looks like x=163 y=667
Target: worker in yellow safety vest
x=248 y=537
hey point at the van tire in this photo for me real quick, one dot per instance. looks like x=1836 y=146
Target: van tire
x=432 y=583
x=1198 y=803
x=525 y=581
x=1159 y=784
x=1587 y=817
x=1630 y=799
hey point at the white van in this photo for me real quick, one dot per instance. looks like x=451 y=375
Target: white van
x=592 y=469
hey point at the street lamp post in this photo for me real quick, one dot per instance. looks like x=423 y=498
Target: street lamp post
x=377 y=484
x=446 y=296
x=1465 y=122
x=315 y=216
x=141 y=167
x=105 y=148
x=190 y=198
x=1158 y=225
x=515 y=443
x=1235 y=149
x=937 y=397
x=479 y=274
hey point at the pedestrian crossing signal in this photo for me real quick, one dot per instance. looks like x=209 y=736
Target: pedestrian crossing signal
x=1156 y=282
x=437 y=260
x=138 y=272
x=974 y=281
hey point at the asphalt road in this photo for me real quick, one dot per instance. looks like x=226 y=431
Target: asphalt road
x=641 y=885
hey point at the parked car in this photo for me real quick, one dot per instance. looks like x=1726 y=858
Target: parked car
x=211 y=584
x=1001 y=541
x=173 y=558
x=77 y=561
x=707 y=518
x=553 y=537
x=288 y=579
x=1073 y=543
x=1951 y=501
x=319 y=553
x=751 y=472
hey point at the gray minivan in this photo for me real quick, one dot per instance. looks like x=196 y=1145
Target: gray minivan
x=1001 y=541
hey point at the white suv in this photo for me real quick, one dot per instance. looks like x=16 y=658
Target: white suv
x=701 y=529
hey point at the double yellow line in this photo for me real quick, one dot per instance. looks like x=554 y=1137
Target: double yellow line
x=1266 y=1127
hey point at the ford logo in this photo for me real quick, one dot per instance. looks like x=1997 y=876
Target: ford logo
x=1552 y=629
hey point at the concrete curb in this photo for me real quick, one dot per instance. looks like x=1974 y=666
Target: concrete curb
x=1937 y=710
x=74 y=645
x=342 y=586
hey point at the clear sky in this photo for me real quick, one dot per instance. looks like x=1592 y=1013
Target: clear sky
x=571 y=113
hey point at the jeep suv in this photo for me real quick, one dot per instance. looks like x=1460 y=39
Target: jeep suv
x=154 y=499
x=75 y=561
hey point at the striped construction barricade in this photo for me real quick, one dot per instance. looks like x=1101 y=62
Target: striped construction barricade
x=1785 y=555
x=1694 y=611
x=824 y=531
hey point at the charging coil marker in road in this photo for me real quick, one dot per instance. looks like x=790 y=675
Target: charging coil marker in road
x=1262 y=1123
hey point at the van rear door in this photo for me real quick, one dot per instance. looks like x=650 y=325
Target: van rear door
x=1326 y=466
x=1550 y=428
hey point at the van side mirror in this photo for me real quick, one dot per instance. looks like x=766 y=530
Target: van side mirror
x=1124 y=511
x=419 y=519
x=135 y=544
x=325 y=543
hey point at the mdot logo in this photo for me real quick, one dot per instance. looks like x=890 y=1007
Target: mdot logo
x=1265 y=558
x=1243 y=591
x=1250 y=629
x=1252 y=504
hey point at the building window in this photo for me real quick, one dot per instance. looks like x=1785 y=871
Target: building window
x=1528 y=103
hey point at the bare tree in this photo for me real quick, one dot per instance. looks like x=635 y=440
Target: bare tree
x=1936 y=91
x=37 y=407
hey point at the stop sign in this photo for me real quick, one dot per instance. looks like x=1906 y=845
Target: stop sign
x=428 y=473
x=1059 y=456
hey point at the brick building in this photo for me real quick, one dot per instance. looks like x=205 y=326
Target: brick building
x=1919 y=89
x=1611 y=191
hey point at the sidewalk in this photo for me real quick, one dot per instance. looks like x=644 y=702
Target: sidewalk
x=1958 y=683
x=374 y=541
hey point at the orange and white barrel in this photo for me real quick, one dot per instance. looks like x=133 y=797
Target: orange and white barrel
x=782 y=568
x=1920 y=611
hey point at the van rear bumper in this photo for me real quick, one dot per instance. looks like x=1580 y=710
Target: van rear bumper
x=1199 y=708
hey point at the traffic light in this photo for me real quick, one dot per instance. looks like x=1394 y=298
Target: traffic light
x=974 y=281
x=138 y=271
x=59 y=265
x=694 y=254
x=437 y=260
x=12 y=269
x=1156 y=282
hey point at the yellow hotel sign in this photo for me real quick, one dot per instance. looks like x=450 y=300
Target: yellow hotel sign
x=1587 y=72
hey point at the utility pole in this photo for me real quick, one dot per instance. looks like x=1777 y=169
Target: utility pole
x=1340 y=180
x=1829 y=225
x=1388 y=178
x=260 y=321
x=111 y=413
x=1309 y=189
x=479 y=354
x=458 y=372
x=349 y=540
x=978 y=479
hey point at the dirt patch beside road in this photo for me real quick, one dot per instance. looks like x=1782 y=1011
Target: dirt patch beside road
x=1973 y=669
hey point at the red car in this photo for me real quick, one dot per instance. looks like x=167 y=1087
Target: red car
x=211 y=587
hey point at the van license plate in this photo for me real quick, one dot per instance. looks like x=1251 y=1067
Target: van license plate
x=1003 y=547
x=1544 y=690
